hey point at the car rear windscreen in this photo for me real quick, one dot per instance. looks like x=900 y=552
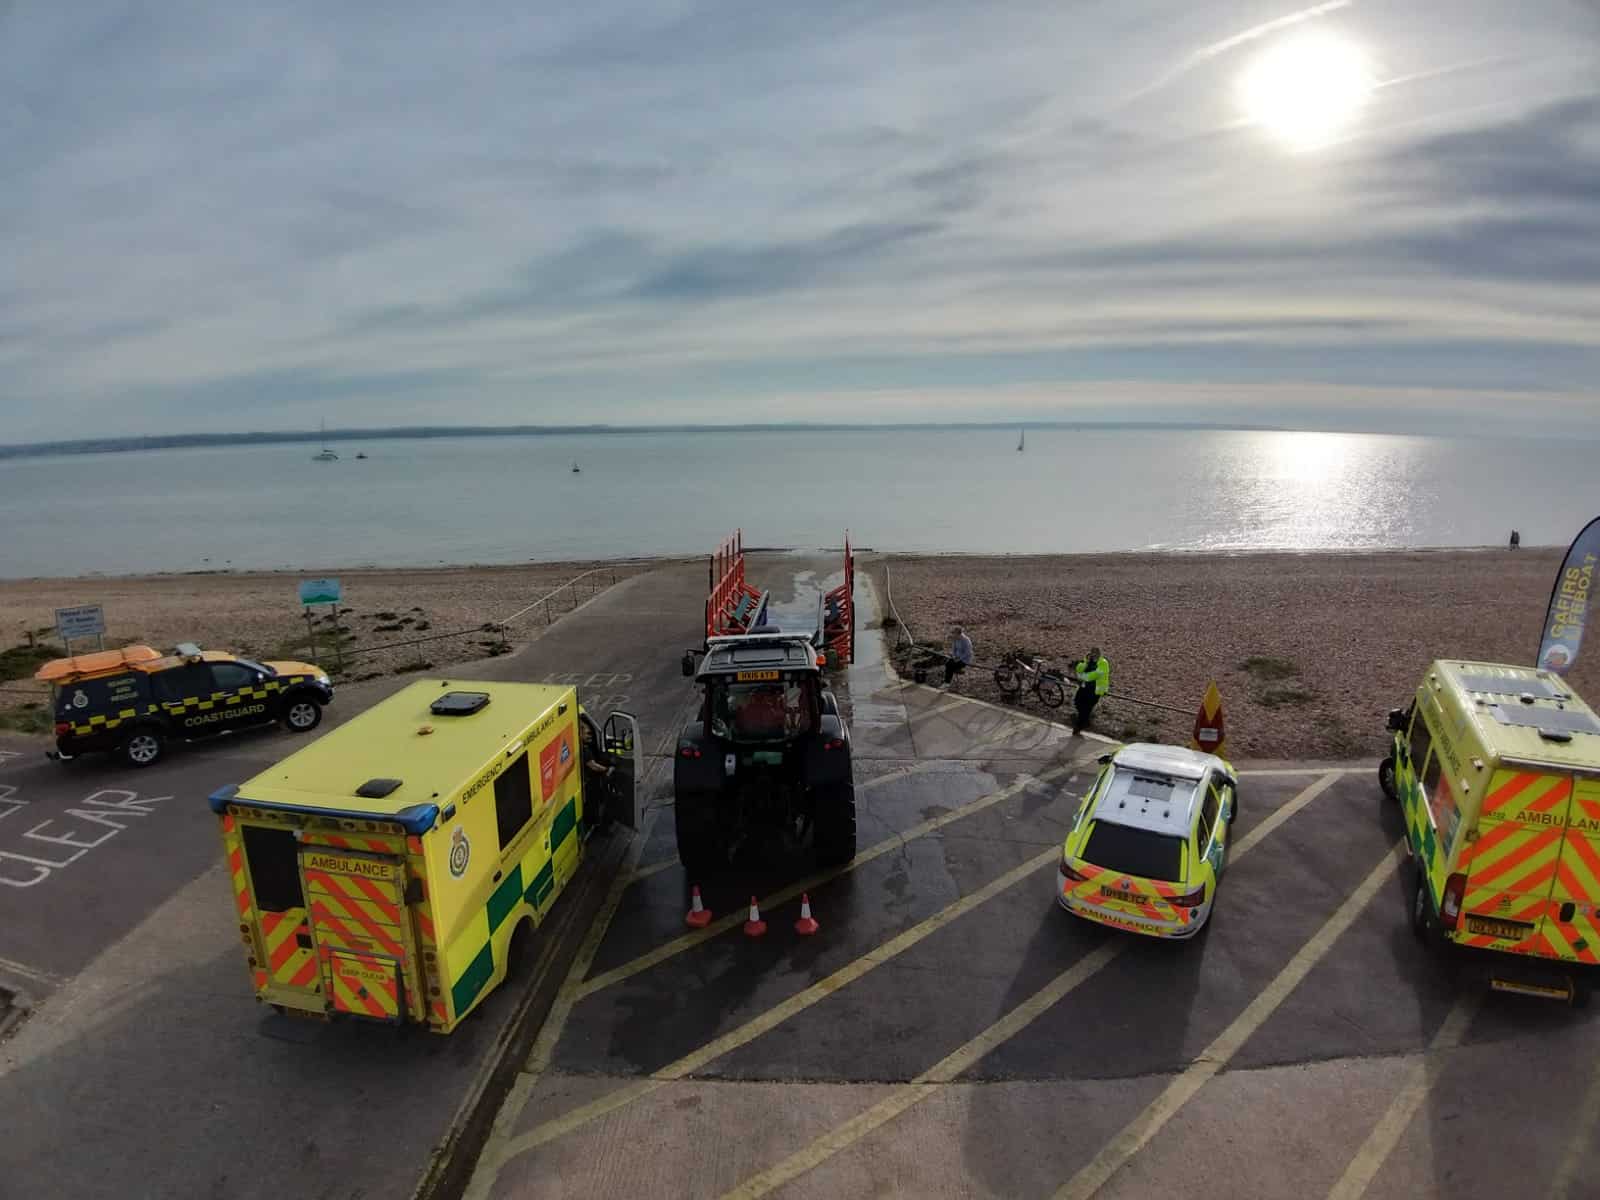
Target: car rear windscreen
x=1135 y=852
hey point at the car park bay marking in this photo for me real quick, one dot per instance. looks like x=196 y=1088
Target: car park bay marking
x=1210 y=1061
x=1582 y=1141
x=32 y=974
x=1421 y=1077
x=689 y=941
x=775 y=1016
x=966 y=1056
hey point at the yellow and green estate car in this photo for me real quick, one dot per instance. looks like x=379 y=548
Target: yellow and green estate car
x=1150 y=840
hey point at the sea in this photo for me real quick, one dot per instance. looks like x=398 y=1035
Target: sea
x=515 y=498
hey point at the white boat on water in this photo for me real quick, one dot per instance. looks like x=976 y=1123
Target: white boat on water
x=326 y=455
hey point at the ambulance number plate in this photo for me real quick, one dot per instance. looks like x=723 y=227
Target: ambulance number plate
x=1511 y=931
x=756 y=676
x=1119 y=894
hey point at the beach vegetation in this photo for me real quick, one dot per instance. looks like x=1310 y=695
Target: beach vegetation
x=20 y=662
x=420 y=664
x=1288 y=694
x=31 y=716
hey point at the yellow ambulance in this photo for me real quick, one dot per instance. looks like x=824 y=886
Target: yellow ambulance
x=1497 y=770
x=390 y=870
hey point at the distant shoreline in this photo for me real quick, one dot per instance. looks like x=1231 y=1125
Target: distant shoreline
x=177 y=441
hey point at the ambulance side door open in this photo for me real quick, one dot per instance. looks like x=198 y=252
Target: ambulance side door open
x=624 y=754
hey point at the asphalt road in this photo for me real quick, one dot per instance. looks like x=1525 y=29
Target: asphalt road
x=951 y=1032
x=147 y=1068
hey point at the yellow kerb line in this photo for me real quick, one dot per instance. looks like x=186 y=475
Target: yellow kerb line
x=773 y=1017
x=1419 y=1081
x=689 y=941
x=968 y=1055
x=1210 y=1061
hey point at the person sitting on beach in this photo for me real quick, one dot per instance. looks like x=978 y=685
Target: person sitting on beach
x=960 y=655
x=1093 y=674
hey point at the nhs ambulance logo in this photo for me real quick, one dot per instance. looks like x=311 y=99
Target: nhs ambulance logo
x=566 y=754
x=460 y=852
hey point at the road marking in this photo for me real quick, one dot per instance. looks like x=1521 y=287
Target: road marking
x=689 y=941
x=1419 y=1081
x=1281 y=814
x=963 y=1058
x=33 y=974
x=1290 y=772
x=1210 y=1061
x=1025 y=716
x=775 y=1016
x=656 y=868
x=1581 y=1142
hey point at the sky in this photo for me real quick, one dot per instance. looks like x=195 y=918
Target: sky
x=1368 y=214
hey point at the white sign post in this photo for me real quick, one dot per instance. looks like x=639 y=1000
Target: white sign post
x=81 y=621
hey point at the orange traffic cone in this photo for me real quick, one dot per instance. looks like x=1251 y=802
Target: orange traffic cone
x=699 y=916
x=755 y=926
x=807 y=924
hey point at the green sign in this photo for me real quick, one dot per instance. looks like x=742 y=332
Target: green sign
x=319 y=591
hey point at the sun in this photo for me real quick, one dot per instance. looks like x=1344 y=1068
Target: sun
x=1307 y=90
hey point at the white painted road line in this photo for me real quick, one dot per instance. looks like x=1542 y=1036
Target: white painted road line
x=31 y=974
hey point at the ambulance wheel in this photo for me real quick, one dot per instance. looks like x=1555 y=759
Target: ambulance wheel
x=1580 y=993
x=142 y=747
x=301 y=714
x=700 y=846
x=835 y=823
x=519 y=955
x=1422 y=919
x=1386 y=778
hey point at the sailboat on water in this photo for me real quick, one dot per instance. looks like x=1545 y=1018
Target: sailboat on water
x=575 y=468
x=326 y=454
x=1022 y=438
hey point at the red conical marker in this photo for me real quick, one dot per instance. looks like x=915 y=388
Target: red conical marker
x=807 y=924
x=699 y=916
x=755 y=926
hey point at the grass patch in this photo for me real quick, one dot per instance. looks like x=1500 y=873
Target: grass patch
x=420 y=664
x=28 y=717
x=421 y=625
x=390 y=628
x=20 y=662
x=1266 y=669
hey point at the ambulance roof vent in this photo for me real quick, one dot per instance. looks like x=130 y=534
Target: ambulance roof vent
x=377 y=789
x=459 y=704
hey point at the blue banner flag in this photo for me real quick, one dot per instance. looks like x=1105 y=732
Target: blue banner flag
x=1569 y=602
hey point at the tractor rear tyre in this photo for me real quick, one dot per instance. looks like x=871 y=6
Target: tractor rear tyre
x=835 y=823
x=700 y=845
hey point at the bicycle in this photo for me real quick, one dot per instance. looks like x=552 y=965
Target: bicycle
x=1019 y=670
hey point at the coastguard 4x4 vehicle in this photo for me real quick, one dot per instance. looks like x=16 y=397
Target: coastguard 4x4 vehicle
x=1150 y=841
x=1497 y=770
x=135 y=700
x=768 y=758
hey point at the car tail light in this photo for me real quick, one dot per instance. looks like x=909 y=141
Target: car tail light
x=689 y=752
x=833 y=744
x=63 y=728
x=1450 y=903
x=1192 y=899
x=1068 y=871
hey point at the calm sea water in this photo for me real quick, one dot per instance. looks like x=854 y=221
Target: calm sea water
x=511 y=499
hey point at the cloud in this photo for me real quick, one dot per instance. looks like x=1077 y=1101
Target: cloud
x=685 y=207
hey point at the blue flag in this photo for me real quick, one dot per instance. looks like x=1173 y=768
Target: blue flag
x=1569 y=602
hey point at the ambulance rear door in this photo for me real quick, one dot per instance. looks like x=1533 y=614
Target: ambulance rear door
x=1512 y=865
x=624 y=754
x=1573 y=927
x=359 y=923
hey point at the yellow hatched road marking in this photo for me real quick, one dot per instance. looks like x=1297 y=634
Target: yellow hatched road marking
x=689 y=941
x=966 y=1056
x=1220 y=1052
x=1420 y=1079
x=1582 y=1141
x=773 y=1017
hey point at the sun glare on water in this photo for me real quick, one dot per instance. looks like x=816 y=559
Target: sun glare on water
x=1306 y=91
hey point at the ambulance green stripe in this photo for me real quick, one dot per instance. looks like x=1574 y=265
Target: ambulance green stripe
x=505 y=898
x=566 y=821
x=539 y=889
x=465 y=990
